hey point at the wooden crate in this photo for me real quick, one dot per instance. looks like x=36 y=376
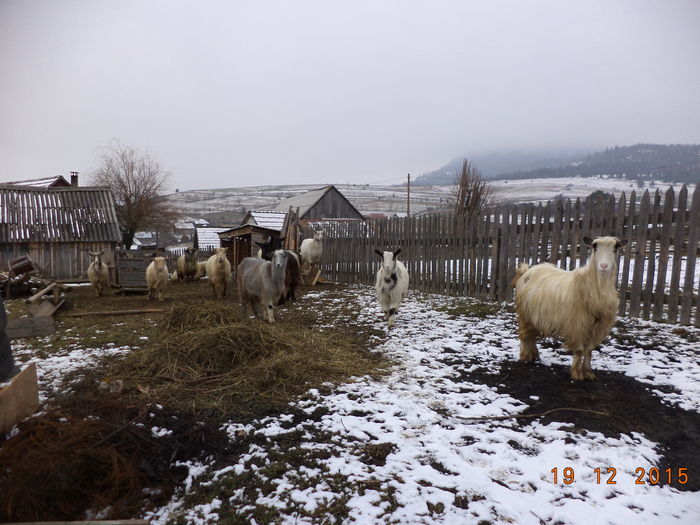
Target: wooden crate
x=131 y=269
x=19 y=399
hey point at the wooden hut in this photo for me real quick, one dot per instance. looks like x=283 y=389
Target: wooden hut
x=240 y=241
x=323 y=203
x=57 y=227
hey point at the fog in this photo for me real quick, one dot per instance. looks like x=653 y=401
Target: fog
x=247 y=93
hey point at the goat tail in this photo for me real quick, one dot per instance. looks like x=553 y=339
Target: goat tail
x=519 y=272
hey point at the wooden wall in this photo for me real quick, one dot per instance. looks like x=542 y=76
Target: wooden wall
x=59 y=260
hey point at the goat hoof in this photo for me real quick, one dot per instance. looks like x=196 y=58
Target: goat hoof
x=588 y=374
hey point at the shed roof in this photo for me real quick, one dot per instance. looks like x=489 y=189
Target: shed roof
x=41 y=182
x=84 y=214
x=304 y=201
x=208 y=238
x=273 y=220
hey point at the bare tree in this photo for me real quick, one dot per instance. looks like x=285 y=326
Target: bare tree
x=473 y=192
x=138 y=182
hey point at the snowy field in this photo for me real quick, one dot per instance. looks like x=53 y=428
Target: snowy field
x=389 y=199
x=407 y=449
x=443 y=467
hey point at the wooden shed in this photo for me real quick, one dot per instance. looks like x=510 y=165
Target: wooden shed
x=57 y=227
x=323 y=203
x=240 y=242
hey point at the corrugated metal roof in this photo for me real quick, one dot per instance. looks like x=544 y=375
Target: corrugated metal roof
x=208 y=238
x=304 y=201
x=273 y=220
x=57 y=214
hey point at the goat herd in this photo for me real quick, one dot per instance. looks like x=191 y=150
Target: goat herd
x=579 y=306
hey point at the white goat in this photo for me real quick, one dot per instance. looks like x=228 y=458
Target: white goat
x=261 y=281
x=579 y=306
x=201 y=270
x=218 y=272
x=311 y=249
x=98 y=273
x=156 y=278
x=391 y=285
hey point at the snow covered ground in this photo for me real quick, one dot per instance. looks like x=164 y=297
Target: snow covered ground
x=403 y=449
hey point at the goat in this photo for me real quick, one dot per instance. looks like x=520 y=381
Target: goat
x=187 y=264
x=98 y=273
x=580 y=306
x=201 y=270
x=261 y=281
x=292 y=277
x=218 y=272
x=156 y=278
x=392 y=284
x=268 y=248
x=311 y=249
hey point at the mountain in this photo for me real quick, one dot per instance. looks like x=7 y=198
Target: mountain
x=670 y=163
x=494 y=164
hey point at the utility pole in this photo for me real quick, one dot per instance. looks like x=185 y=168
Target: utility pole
x=408 y=196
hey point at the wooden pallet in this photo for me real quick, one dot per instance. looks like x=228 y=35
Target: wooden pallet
x=19 y=399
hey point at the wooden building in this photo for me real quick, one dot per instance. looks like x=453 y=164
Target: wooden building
x=240 y=242
x=323 y=203
x=57 y=227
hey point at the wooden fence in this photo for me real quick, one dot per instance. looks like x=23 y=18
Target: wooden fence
x=657 y=279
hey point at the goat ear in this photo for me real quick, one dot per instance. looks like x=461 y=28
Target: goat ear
x=587 y=240
x=397 y=251
x=379 y=253
x=621 y=243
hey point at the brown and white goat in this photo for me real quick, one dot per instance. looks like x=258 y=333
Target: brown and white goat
x=579 y=306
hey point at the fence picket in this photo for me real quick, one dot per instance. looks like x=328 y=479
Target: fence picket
x=640 y=250
x=693 y=238
x=647 y=294
x=664 y=242
x=673 y=296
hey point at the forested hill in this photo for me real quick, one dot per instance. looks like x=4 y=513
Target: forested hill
x=671 y=163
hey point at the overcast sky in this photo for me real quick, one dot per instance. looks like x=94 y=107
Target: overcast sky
x=227 y=93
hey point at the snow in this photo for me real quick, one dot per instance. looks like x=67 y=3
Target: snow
x=503 y=469
x=442 y=467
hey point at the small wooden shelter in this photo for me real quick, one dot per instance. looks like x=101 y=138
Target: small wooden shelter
x=57 y=227
x=240 y=242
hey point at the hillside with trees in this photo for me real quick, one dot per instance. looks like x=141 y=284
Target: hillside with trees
x=644 y=162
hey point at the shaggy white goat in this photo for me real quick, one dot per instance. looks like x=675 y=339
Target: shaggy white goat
x=311 y=249
x=201 y=270
x=156 y=278
x=261 y=281
x=218 y=272
x=579 y=306
x=391 y=285
x=98 y=273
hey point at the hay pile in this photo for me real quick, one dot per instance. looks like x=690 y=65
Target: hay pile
x=59 y=466
x=205 y=356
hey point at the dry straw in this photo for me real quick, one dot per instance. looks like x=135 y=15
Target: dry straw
x=208 y=357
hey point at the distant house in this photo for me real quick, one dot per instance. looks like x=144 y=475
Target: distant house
x=207 y=238
x=47 y=182
x=323 y=203
x=376 y=216
x=57 y=227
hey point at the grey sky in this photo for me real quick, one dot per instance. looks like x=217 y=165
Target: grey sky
x=228 y=93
